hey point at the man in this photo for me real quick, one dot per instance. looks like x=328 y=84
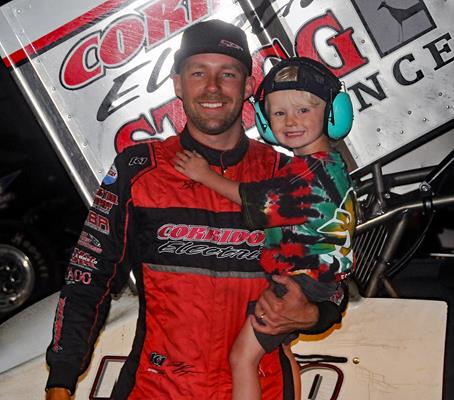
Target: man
x=195 y=263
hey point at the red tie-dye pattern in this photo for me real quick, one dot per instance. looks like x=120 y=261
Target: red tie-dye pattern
x=271 y=264
x=323 y=268
x=302 y=191
x=292 y=249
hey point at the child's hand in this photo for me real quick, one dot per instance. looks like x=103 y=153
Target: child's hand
x=192 y=164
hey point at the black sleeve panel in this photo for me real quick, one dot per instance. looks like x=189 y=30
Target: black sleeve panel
x=96 y=269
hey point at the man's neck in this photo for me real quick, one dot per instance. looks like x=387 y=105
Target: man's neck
x=223 y=141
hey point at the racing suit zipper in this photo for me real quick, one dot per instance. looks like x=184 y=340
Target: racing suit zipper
x=223 y=167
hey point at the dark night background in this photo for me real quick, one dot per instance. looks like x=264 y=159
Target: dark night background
x=40 y=207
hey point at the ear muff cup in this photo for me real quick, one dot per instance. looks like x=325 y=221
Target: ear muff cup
x=262 y=124
x=340 y=120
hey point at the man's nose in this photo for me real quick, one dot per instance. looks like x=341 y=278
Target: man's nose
x=212 y=83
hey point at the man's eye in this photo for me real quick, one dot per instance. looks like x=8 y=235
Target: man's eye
x=197 y=74
x=229 y=75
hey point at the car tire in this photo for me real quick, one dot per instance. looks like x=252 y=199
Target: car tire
x=28 y=271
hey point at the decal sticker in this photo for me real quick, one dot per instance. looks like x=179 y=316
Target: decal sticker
x=83 y=259
x=98 y=222
x=393 y=24
x=105 y=200
x=58 y=323
x=90 y=242
x=187 y=239
x=74 y=275
x=111 y=176
x=138 y=160
x=157 y=359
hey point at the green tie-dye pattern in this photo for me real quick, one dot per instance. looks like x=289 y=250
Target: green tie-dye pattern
x=308 y=211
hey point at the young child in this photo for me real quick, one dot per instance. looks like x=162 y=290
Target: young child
x=307 y=209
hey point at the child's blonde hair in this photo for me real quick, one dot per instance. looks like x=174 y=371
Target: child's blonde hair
x=290 y=74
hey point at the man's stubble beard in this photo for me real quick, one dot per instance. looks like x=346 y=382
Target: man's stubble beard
x=209 y=126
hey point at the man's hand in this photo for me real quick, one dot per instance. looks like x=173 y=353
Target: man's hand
x=58 y=394
x=283 y=315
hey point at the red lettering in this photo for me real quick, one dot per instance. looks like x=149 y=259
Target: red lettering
x=103 y=224
x=84 y=277
x=256 y=238
x=239 y=236
x=102 y=204
x=343 y=42
x=210 y=234
x=213 y=235
x=225 y=236
x=197 y=233
x=112 y=198
x=163 y=231
x=92 y=218
x=125 y=136
x=76 y=71
x=125 y=37
x=349 y=53
x=69 y=275
x=173 y=111
x=179 y=231
x=122 y=40
x=102 y=193
x=98 y=222
x=78 y=276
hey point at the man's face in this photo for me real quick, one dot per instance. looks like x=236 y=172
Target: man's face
x=213 y=88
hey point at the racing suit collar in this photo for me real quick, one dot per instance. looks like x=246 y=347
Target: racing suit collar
x=221 y=158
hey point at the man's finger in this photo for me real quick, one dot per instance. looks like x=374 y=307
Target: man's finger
x=293 y=289
x=267 y=328
x=284 y=280
x=257 y=326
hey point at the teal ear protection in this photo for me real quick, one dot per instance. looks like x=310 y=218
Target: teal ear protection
x=315 y=78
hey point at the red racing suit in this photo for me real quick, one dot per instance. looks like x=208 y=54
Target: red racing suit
x=196 y=266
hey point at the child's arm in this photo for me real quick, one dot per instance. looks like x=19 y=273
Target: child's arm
x=194 y=166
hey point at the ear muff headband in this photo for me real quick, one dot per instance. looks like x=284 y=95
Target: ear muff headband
x=339 y=108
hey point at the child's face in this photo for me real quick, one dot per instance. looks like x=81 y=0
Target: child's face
x=297 y=121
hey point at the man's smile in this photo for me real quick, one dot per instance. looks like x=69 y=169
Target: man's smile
x=211 y=105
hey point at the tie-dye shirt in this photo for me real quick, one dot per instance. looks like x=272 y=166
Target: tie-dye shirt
x=308 y=210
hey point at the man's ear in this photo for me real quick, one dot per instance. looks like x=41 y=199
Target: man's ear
x=249 y=87
x=176 y=78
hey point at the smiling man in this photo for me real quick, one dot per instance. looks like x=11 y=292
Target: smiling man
x=195 y=261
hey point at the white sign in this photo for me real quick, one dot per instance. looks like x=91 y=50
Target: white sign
x=98 y=74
